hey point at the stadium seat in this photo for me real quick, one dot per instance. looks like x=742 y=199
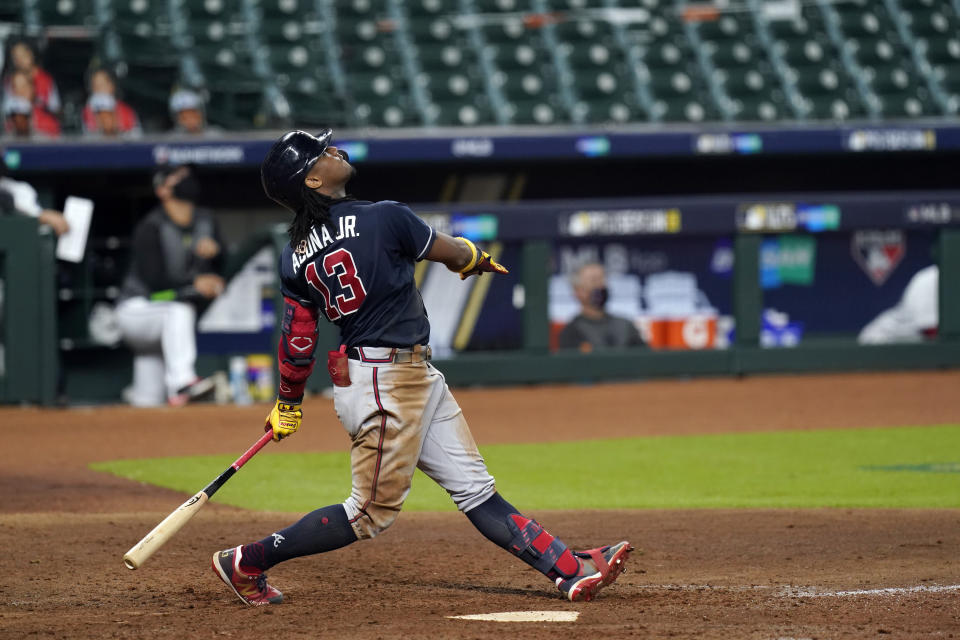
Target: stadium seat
x=433 y=31
x=460 y=113
x=941 y=49
x=418 y=8
x=583 y=31
x=517 y=56
x=873 y=51
x=524 y=85
x=454 y=85
x=727 y=27
x=508 y=30
x=756 y=109
x=533 y=112
x=61 y=13
x=732 y=53
x=603 y=111
x=440 y=57
x=362 y=9
x=590 y=84
x=381 y=113
x=592 y=55
x=681 y=110
x=931 y=22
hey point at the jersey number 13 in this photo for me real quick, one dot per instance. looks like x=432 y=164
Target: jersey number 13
x=338 y=263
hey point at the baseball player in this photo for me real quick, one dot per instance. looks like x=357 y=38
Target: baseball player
x=352 y=262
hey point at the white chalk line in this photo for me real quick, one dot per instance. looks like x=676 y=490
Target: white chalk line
x=889 y=591
x=523 y=616
x=803 y=592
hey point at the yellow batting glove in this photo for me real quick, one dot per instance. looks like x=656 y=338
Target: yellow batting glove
x=284 y=419
x=480 y=263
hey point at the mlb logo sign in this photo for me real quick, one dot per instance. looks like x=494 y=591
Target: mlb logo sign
x=878 y=252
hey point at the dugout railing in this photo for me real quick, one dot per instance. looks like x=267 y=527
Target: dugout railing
x=30 y=331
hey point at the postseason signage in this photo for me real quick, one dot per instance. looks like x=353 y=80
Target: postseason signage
x=480 y=145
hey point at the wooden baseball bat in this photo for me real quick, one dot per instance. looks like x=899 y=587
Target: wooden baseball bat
x=158 y=537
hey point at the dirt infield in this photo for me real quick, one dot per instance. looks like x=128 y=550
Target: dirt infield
x=706 y=573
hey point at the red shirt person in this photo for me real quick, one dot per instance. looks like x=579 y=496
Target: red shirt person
x=46 y=95
x=21 y=120
x=104 y=114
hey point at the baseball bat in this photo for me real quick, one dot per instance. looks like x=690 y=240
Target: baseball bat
x=141 y=552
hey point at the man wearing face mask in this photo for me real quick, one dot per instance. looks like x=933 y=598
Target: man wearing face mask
x=174 y=273
x=594 y=327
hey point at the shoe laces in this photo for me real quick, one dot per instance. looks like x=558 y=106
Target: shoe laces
x=261 y=582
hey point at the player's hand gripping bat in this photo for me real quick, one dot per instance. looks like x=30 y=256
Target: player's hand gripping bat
x=142 y=551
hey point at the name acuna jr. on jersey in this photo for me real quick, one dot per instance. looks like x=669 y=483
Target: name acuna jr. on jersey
x=317 y=241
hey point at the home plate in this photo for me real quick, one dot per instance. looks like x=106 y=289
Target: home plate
x=523 y=616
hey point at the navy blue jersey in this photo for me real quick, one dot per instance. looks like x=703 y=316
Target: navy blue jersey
x=361 y=277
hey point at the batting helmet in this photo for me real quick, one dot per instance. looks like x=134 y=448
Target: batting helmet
x=287 y=163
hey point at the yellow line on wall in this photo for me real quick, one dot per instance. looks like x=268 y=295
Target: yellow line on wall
x=471 y=311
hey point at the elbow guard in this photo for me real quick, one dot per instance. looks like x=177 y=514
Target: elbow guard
x=298 y=341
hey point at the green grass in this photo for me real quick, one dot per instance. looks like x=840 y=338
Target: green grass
x=782 y=469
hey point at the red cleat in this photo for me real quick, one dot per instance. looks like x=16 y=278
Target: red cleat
x=252 y=589
x=598 y=568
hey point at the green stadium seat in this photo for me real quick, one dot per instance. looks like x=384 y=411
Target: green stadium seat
x=671 y=83
x=438 y=57
x=534 y=112
x=432 y=7
x=906 y=105
x=284 y=9
x=756 y=109
x=364 y=30
x=283 y=30
x=590 y=84
x=802 y=52
x=606 y=111
x=63 y=13
x=371 y=87
x=681 y=110
x=872 y=51
x=501 y=6
x=941 y=49
x=508 y=30
x=434 y=31
x=891 y=78
x=517 y=56
x=524 y=85
x=790 y=29
x=362 y=9
x=745 y=81
x=731 y=53
x=727 y=27
x=931 y=22
x=445 y=86
x=831 y=107
x=574 y=5
x=368 y=58
x=948 y=76
x=385 y=113
x=579 y=31
x=296 y=58
x=666 y=55
x=459 y=113
x=591 y=55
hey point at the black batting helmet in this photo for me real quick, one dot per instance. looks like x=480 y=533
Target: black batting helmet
x=287 y=163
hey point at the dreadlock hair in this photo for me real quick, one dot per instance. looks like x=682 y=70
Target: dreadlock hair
x=314 y=210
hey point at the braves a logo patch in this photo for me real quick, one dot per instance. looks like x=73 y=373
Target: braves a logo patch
x=301 y=343
x=878 y=252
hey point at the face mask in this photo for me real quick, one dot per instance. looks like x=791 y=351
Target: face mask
x=599 y=297
x=187 y=189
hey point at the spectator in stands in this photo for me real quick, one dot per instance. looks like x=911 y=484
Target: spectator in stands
x=23 y=58
x=187 y=110
x=594 y=327
x=21 y=120
x=175 y=271
x=104 y=114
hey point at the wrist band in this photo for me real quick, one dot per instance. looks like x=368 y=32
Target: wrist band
x=474 y=257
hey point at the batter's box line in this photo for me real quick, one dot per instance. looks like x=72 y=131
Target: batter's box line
x=812 y=592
